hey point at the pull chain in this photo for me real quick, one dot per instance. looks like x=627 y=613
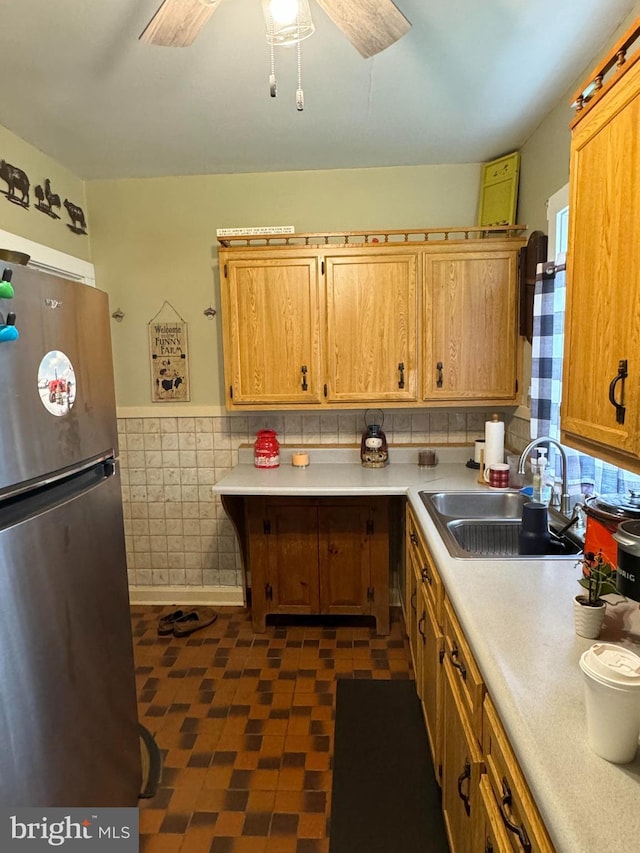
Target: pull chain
x=273 y=86
x=299 y=92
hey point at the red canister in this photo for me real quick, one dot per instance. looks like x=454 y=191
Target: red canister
x=266 y=449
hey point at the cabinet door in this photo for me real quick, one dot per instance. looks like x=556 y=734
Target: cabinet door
x=602 y=324
x=371 y=305
x=283 y=548
x=517 y=811
x=412 y=615
x=344 y=559
x=271 y=331
x=432 y=661
x=470 y=320
x=353 y=548
x=493 y=835
x=461 y=769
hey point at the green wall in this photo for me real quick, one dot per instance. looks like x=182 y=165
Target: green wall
x=155 y=239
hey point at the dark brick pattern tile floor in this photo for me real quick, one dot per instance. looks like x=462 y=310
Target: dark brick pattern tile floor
x=245 y=724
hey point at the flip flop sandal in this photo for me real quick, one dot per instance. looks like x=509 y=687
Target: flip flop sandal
x=166 y=623
x=193 y=621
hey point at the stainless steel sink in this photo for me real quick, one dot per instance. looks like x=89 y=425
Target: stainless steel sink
x=476 y=504
x=481 y=525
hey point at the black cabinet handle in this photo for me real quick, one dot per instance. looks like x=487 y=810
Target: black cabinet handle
x=413 y=538
x=520 y=831
x=439 y=380
x=303 y=370
x=421 y=621
x=619 y=377
x=466 y=774
x=426 y=577
x=401 y=371
x=413 y=602
x=455 y=662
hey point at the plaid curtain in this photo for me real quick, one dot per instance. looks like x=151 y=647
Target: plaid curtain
x=585 y=475
x=547 y=345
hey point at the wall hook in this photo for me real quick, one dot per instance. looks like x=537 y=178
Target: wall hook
x=209 y=312
x=118 y=315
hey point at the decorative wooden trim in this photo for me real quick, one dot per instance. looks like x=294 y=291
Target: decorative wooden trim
x=374 y=238
x=608 y=72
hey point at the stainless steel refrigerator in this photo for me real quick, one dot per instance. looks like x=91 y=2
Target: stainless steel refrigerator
x=68 y=716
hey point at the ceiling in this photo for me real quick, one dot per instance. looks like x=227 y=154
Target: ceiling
x=468 y=83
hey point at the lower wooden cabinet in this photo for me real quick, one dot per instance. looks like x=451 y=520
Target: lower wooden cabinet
x=486 y=803
x=318 y=556
x=493 y=835
x=524 y=828
x=423 y=605
x=461 y=768
x=462 y=760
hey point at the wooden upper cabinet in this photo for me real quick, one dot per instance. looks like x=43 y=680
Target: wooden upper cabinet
x=602 y=321
x=470 y=325
x=346 y=321
x=271 y=330
x=371 y=328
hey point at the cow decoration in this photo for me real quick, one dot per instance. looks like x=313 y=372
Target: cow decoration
x=47 y=199
x=17 y=182
x=78 y=223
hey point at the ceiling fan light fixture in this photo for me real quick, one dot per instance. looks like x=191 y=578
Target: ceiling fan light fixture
x=288 y=22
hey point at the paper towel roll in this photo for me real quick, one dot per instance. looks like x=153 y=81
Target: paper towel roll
x=493 y=442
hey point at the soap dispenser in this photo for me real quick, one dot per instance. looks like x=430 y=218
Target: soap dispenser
x=545 y=484
x=537 y=471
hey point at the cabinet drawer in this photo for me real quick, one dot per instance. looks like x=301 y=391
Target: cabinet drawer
x=422 y=560
x=518 y=811
x=468 y=679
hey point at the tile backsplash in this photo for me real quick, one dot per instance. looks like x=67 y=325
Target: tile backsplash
x=177 y=533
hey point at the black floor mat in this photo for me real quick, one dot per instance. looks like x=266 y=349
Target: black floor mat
x=385 y=797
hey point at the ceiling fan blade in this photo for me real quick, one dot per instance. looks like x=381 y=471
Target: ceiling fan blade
x=370 y=25
x=178 y=22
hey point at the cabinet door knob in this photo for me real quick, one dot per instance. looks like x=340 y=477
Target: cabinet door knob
x=619 y=377
x=439 y=380
x=303 y=370
x=401 y=372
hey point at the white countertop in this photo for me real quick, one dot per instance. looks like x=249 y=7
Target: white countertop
x=518 y=618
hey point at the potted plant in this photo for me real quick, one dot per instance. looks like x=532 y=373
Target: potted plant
x=598 y=577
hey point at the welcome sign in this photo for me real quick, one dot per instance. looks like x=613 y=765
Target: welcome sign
x=108 y=830
x=169 y=361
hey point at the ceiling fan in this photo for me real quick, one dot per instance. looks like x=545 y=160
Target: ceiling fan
x=370 y=25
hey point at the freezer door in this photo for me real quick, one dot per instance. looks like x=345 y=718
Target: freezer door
x=57 y=404
x=69 y=728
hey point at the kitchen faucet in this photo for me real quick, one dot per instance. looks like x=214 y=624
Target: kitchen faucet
x=565 y=501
